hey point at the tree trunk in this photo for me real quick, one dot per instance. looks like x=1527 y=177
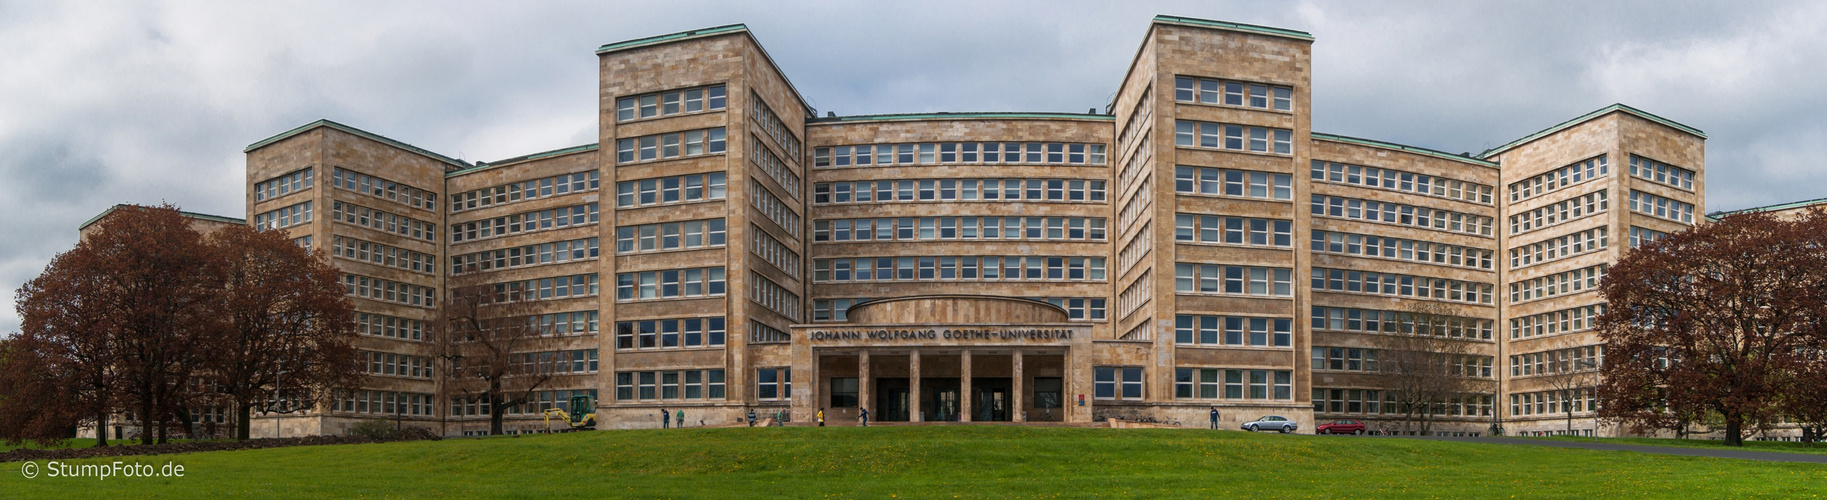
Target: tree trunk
x=101 y=428
x=244 y=421
x=495 y=417
x=146 y=430
x=1734 y=430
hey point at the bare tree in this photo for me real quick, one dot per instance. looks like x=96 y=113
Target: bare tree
x=1570 y=376
x=1425 y=367
x=485 y=334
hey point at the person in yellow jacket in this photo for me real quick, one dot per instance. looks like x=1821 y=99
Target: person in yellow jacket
x=821 y=417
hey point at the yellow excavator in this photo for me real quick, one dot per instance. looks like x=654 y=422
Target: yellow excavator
x=581 y=417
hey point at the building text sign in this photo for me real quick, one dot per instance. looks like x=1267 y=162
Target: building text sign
x=991 y=334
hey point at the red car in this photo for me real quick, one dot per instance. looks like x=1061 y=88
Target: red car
x=1341 y=427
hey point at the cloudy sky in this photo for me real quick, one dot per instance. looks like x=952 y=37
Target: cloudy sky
x=116 y=102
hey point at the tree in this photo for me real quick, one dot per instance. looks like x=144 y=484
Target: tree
x=67 y=355
x=288 y=333
x=1717 y=318
x=1804 y=401
x=34 y=403
x=1570 y=376
x=1424 y=365
x=484 y=334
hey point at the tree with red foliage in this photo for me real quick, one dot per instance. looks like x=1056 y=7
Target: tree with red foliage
x=34 y=402
x=1718 y=318
x=287 y=339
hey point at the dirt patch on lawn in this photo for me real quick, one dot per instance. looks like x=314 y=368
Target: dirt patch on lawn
x=19 y=455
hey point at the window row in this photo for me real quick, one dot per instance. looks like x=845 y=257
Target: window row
x=669 y=190
x=1420 y=287
x=580 y=182
x=1557 y=284
x=384 y=403
x=774 y=127
x=1649 y=204
x=1139 y=247
x=1222 y=136
x=396 y=365
x=1233 y=280
x=1553 y=402
x=1401 y=249
x=1226 y=182
x=1233 y=230
x=1378 y=402
x=1553 y=249
x=952 y=153
x=669 y=333
x=1031 y=268
x=555 y=362
x=1077 y=308
x=760 y=333
x=1344 y=319
x=670 y=284
x=524 y=256
x=669 y=385
x=1233 y=331
x=668 y=236
x=765 y=160
x=1139 y=292
x=1559 y=361
x=1137 y=206
x=771 y=295
x=1204 y=383
x=384 y=189
x=668 y=146
x=565 y=323
x=1557 y=179
x=558 y=218
x=1640 y=236
x=382 y=255
x=283 y=185
x=671 y=102
x=960 y=228
x=1233 y=93
x=1137 y=166
x=560 y=287
x=1661 y=173
x=1396 y=213
x=390 y=291
x=382 y=221
x=947 y=190
x=772 y=208
x=1399 y=181
x=774 y=252
x=1562 y=211
x=1365 y=360
x=284 y=217
x=1556 y=322
x=376 y=325
x=536 y=404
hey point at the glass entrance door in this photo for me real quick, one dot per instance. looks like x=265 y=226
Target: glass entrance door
x=939 y=399
x=992 y=399
x=891 y=399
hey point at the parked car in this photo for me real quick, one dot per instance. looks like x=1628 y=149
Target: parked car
x=1271 y=423
x=1340 y=427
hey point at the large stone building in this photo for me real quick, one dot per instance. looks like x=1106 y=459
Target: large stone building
x=1194 y=245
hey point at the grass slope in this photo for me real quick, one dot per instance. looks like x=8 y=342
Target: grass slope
x=950 y=461
x=1775 y=446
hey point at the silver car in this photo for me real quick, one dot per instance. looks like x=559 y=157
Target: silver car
x=1272 y=422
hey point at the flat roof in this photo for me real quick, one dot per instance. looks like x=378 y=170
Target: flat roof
x=193 y=215
x=726 y=29
x=1230 y=26
x=363 y=133
x=1769 y=208
x=1403 y=148
x=947 y=115
x=485 y=165
x=1618 y=107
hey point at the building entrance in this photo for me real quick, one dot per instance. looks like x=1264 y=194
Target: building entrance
x=939 y=399
x=891 y=399
x=992 y=399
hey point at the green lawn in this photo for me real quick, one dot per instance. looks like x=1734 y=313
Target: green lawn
x=1779 y=446
x=949 y=461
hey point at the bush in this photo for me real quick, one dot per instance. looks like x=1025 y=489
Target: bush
x=373 y=429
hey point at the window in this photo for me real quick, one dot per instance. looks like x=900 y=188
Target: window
x=843 y=392
x=669 y=236
x=773 y=384
x=283 y=185
x=669 y=146
x=954 y=153
x=284 y=217
x=1401 y=181
x=574 y=183
x=1406 y=215
x=383 y=189
x=1661 y=173
x=670 y=284
x=669 y=385
x=991 y=190
x=1194 y=330
x=683 y=189
x=1117 y=382
x=1213 y=279
x=671 y=102
x=679 y=333
x=1400 y=249
x=1233 y=230
x=1649 y=204
x=1219 y=136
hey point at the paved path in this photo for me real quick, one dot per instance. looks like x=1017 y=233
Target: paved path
x=1769 y=456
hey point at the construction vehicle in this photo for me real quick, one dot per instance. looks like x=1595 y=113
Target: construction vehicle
x=581 y=417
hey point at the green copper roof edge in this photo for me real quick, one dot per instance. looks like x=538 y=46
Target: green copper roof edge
x=670 y=37
x=359 y=132
x=1618 y=107
x=1227 y=25
x=485 y=165
x=193 y=215
x=962 y=116
x=1399 y=147
x=1768 y=208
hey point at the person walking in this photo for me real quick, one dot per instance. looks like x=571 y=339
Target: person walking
x=1214 y=418
x=681 y=418
x=821 y=417
x=665 y=419
x=751 y=417
x=863 y=414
